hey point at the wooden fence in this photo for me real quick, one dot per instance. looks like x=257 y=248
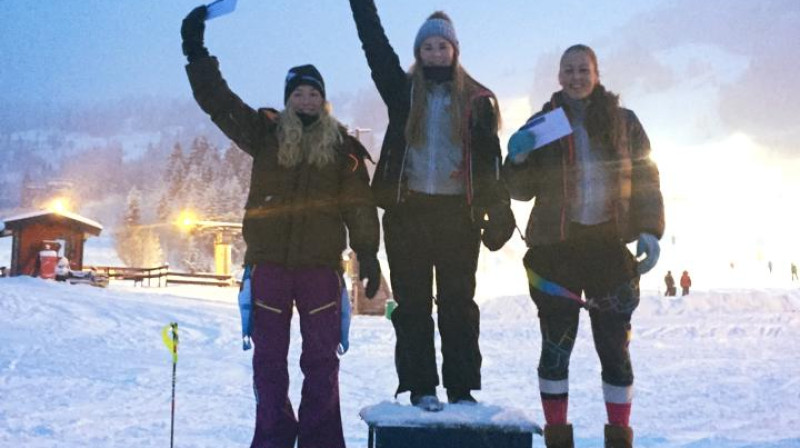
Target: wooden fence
x=162 y=276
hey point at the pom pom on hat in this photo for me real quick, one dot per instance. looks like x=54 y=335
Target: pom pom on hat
x=438 y=24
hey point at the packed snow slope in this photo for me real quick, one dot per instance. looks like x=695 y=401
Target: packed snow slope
x=83 y=366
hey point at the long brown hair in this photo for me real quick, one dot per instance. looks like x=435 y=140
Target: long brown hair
x=463 y=89
x=603 y=118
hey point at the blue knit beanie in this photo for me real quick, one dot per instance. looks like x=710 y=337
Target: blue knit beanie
x=438 y=24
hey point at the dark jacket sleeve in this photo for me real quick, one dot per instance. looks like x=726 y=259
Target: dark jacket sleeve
x=241 y=123
x=490 y=188
x=387 y=72
x=357 y=205
x=647 y=203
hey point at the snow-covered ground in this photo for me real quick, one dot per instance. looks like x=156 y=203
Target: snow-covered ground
x=83 y=366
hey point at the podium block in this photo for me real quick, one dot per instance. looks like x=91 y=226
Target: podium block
x=392 y=425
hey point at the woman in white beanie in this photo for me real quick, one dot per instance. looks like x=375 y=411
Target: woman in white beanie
x=438 y=181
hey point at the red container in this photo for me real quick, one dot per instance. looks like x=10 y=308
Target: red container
x=48 y=260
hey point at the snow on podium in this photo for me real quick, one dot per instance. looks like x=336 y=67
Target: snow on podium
x=392 y=425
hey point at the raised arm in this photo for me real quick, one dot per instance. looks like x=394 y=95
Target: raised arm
x=234 y=117
x=387 y=73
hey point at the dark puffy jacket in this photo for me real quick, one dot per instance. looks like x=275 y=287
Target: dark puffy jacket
x=547 y=175
x=484 y=186
x=295 y=217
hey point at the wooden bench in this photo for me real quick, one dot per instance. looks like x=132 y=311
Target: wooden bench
x=392 y=425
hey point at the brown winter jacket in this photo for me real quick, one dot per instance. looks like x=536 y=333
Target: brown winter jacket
x=295 y=217
x=547 y=175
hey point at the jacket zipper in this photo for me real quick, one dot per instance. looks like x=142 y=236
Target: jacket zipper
x=405 y=153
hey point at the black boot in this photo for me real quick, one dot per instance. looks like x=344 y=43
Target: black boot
x=619 y=436
x=458 y=396
x=558 y=436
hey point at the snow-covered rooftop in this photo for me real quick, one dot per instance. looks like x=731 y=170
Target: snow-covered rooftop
x=39 y=213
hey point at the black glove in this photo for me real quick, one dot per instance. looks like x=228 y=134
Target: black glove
x=370 y=269
x=192 y=31
x=498 y=227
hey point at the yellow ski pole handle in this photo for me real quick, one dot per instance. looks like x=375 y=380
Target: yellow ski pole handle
x=171 y=341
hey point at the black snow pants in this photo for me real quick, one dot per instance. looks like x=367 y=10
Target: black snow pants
x=427 y=236
x=592 y=261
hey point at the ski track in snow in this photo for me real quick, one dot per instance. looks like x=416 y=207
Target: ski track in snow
x=83 y=366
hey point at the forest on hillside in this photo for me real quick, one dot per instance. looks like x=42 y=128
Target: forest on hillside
x=134 y=165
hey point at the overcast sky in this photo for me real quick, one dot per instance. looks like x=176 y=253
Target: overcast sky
x=714 y=82
x=692 y=70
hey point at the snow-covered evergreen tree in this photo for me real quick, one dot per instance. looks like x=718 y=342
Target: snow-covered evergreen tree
x=173 y=179
x=137 y=245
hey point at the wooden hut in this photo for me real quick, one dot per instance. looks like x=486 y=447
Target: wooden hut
x=32 y=231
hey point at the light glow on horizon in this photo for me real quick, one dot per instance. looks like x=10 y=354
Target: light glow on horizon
x=727 y=202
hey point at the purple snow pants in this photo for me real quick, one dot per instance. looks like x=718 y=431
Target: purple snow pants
x=316 y=293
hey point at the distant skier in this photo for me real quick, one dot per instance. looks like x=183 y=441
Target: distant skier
x=309 y=194
x=686 y=283
x=794 y=272
x=670 y=282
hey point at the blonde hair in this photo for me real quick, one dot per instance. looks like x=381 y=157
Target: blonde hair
x=462 y=89
x=314 y=144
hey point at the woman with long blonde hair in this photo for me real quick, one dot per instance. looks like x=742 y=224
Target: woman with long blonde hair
x=438 y=181
x=309 y=196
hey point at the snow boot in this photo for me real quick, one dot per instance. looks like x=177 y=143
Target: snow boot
x=558 y=436
x=618 y=436
x=427 y=401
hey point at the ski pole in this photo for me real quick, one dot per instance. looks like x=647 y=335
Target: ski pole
x=172 y=345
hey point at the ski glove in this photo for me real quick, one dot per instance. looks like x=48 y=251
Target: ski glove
x=246 y=308
x=647 y=245
x=192 y=31
x=498 y=226
x=520 y=146
x=344 y=340
x=370 y=269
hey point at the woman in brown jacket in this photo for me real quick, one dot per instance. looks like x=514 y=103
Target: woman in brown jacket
x=309 y=192
x=596 y=190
